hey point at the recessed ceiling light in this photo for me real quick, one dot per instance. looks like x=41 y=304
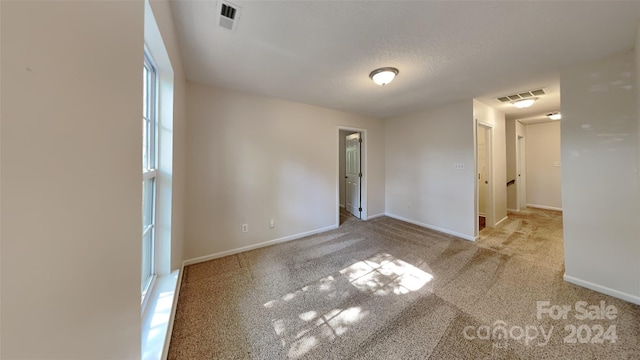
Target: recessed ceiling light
x=521 y=104
x=384 y=75
x=554 y=116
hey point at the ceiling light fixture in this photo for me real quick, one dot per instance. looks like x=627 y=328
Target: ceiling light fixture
x=384 y=75
x=554 y=116
x=521 y=104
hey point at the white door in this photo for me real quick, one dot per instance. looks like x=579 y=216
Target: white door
x=353 y=174
x=522 y=175
x=483 y=181
x=484 y=176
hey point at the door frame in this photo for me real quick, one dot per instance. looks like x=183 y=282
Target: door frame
x=364 y=159
x=490 y=206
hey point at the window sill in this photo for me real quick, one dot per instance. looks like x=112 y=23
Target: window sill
x=157 y=317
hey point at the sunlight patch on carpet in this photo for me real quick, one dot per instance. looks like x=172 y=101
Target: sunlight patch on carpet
x=384 y=274
x=302 y=329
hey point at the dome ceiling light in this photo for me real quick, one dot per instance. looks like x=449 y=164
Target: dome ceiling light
x=555 y=116
x=525 y=103
x=384 y=75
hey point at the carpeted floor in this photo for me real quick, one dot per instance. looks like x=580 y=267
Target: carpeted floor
x=385 y=289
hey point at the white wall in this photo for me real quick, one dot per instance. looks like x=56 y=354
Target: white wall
x=162 y=13
x=71 y=141
x=600 y=176
x=252 y=158
x=421 y=184
x=488 y=115
x=637 y=99
x=1 y=115
x=543 y=176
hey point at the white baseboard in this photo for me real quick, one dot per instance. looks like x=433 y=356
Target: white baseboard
x=256 y=246
x=436 y=228
x=603 y=289
x=514 y=210
x=544 y=207
x=501 y=221
x=375 y=216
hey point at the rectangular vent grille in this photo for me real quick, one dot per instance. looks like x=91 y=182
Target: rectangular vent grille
x=229 y=15
x=228 y=11
x=522 y=95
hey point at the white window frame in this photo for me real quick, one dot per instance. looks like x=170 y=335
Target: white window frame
x=156 y=305
x=149 y=172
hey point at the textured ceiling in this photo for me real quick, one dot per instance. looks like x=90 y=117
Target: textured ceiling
x=321 y=52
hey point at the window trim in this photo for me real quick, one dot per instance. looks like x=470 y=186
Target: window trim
x=149 y=171
x=153 y=111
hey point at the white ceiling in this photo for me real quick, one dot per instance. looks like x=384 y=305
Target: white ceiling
x=321 y=52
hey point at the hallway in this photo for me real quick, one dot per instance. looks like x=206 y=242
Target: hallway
x=532 y=233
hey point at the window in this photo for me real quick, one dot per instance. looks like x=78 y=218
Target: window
x=149 y=171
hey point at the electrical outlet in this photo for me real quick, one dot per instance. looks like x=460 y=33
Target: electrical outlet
x=272 y=224
x=245 y=227
x=458 y=166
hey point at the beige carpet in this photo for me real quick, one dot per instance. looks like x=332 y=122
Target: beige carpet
x=385 y=289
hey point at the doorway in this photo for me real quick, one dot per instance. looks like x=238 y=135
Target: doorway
x=484 y=176
x=521 y=194
x=351 y=186
x=353 y=174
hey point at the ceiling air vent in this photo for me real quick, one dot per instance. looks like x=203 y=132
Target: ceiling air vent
x=522 y=95
x=229 y=15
